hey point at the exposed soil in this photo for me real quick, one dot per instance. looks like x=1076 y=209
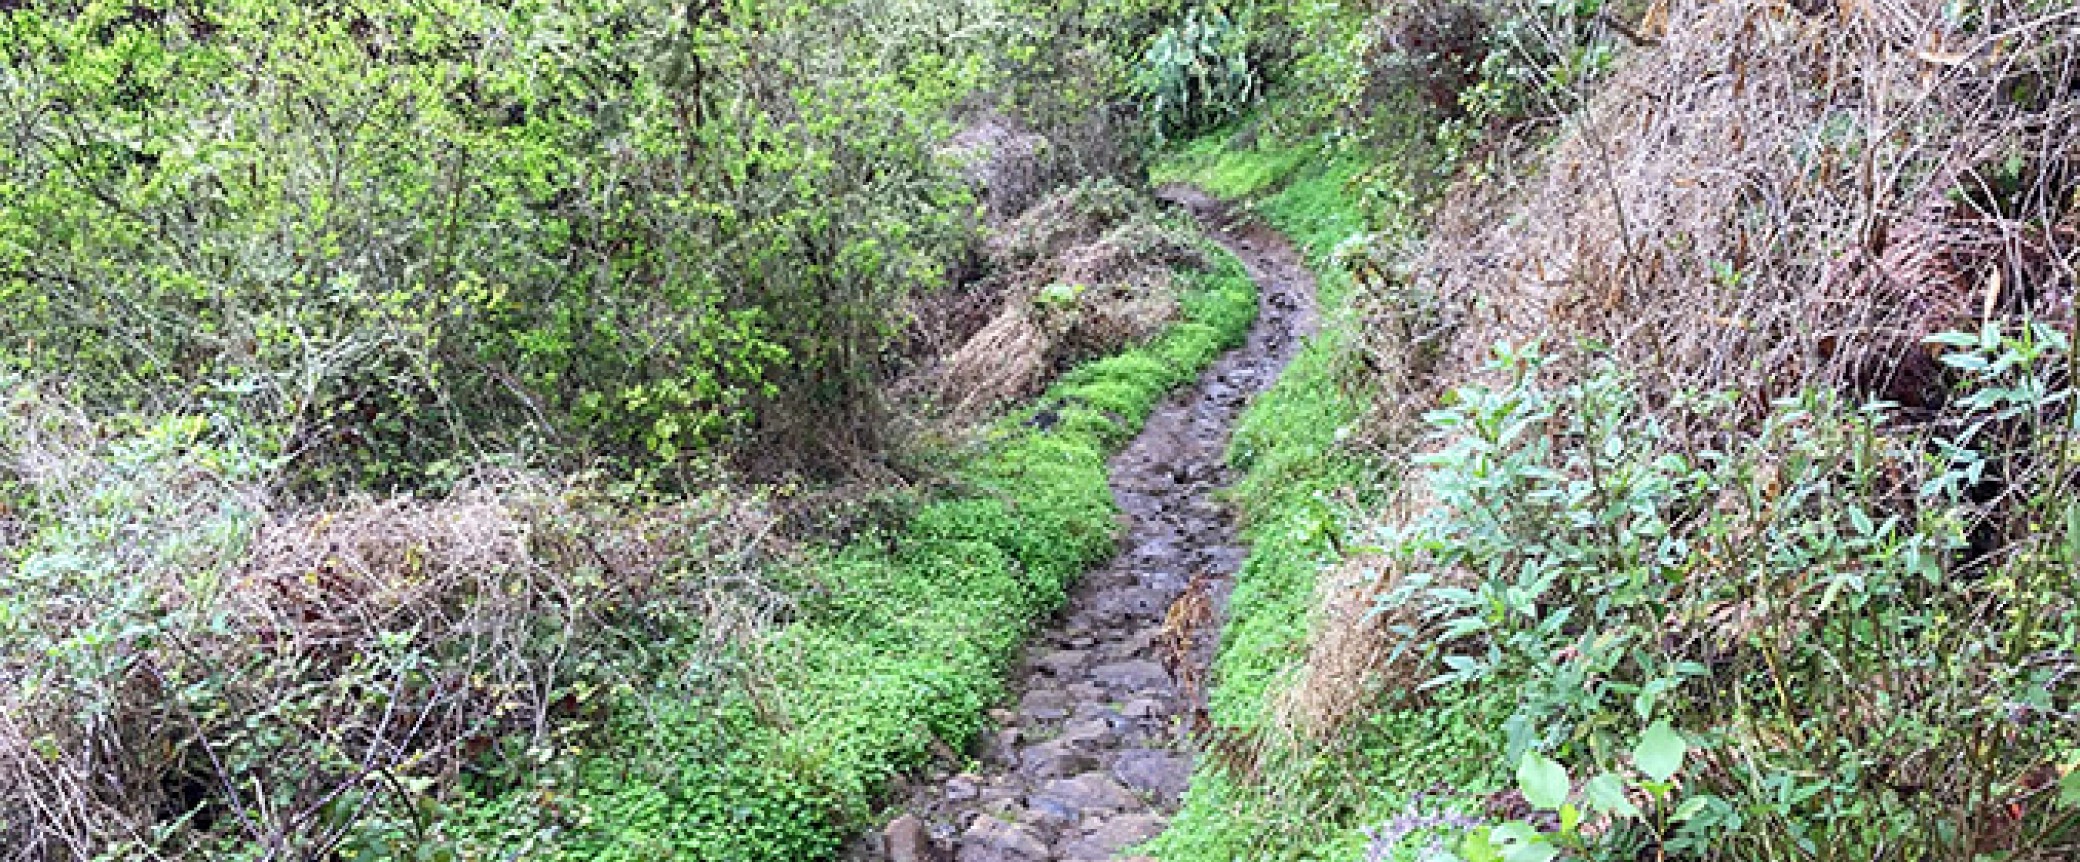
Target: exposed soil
x=1091 y=758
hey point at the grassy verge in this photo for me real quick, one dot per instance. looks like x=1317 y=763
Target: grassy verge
x=1301 y=801
x=900 y=641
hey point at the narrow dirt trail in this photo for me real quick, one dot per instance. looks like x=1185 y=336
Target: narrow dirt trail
x=1092 y=759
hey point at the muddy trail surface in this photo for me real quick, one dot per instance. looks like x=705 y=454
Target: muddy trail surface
x=1092 y=758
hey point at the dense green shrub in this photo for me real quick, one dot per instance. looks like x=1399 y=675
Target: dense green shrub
x=1809 y=613
x=390 y=234
x=1195 y=74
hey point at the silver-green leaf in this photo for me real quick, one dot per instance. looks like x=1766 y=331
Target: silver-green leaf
x=1659 y=754
x=1543 y=781
x=1606 y=793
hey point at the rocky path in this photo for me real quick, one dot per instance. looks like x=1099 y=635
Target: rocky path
x=1093 y=756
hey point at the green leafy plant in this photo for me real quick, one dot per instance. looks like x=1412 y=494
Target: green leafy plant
x=1775 y=598
x=1195 y=74
x=613 y=233
x=1593 y=807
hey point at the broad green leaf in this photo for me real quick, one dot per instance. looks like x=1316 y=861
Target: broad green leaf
x=1689 y=808
x=1543 y=781
x=1531 y=851
x=1478 y=847
x=1513 y=832
x=1953 y=339
x=2069 y=789
x=1660 y=751
x=1606 y=794
x=1965 y=361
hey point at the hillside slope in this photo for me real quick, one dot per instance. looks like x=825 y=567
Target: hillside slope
x=1707 y=501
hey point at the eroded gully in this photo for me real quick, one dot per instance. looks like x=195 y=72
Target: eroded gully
x=1091 y=759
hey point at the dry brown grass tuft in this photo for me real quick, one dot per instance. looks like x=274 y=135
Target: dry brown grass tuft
x=1768 y=198
x=1351 y=653
x=180 y=645
x=1765 y=199
x=1084 y=273
x=1362 y=645
x=1006 y=360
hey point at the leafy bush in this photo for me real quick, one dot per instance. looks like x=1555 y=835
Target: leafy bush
x=1437 y=85
x=395 y=235
x=1195 y=74
x=1689 y=594
x=1809 y=607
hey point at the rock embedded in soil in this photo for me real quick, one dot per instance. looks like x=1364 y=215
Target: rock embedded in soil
x=1045 y=704
x=989 y=839
x=907 y=840
x=1159 y=772
x=1055 y=759
x=1133 y=675
x=1087 y=691
x=1089 y=734
x=1144 y=707
x=1090 y=792
x=1051 y=813
x=1063 y=663
x=1115 y=835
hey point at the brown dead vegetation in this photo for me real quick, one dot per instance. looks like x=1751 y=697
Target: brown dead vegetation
x=1361 y=646
x=1351 y=651
x=271 y=669
x=1766 y=197
x=1081 y=274
x=1006 y=163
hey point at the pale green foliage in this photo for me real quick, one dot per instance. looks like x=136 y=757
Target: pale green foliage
x=394 y=234
x=1195 y=74
x=1775 y=601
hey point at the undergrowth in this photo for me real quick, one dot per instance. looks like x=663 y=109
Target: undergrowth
x=1625 y=602
x=532 y=669
x=903 y=639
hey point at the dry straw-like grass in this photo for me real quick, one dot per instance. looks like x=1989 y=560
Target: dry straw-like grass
x=1767 y=196
x=1005 y=360
x=181 y=644
x=1361 y=647
x=1353 y=650
x=1085 y=273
